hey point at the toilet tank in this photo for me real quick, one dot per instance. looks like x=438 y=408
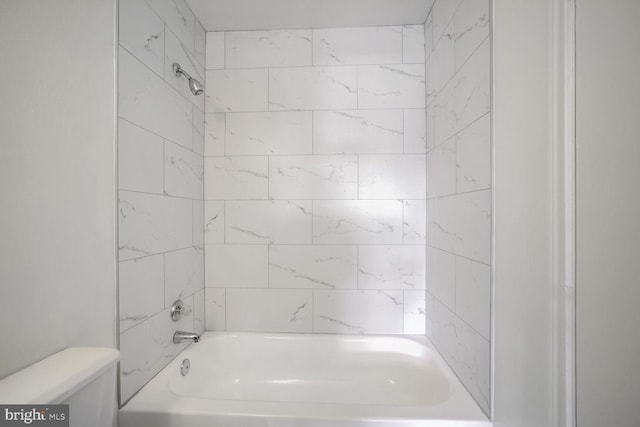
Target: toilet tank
x=82 y=377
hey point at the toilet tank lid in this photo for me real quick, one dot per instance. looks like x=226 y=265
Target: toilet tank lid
x=54 y=379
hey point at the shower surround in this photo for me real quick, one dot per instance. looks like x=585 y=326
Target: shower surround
x=315 y=189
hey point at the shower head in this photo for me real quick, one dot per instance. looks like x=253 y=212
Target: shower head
x=194 y=85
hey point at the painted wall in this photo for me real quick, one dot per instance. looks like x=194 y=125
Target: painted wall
x=608 y=208
x=458 y=280
x=160 y=181
x=57 y=157
x=315 y=180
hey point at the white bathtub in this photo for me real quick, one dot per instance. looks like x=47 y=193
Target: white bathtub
x=304 y=380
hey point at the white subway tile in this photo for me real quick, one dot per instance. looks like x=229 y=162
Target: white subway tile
x=178 y=16
x=236 y=178
x=236 y=90
x=141 y=284
x=313 y=266
x=200 y=50
x=198 y=131
x=183 y=172
x=415 y=131
x=140 y=159
x=215 y=308
x=199 y=313
x=313 y=177
x=414 y=225
x=473 y=156
x=357 y=131
x=441 y=276
x=391 y=267
x=141 y=32
x=148 y=101
x=214 y=134
x=414 y=312
x=269 y=133
x=362 y=45
x=391 y=86
x=198 y=222
x=213 y=222
x=413 y=44
x=150 y=224
x=312 y=88
x=392 y=176
x=184 y=274
x=441 y=169
x=357 y=221
x=269 y=310
x=275 y=48
x=176 y=52
x=471 y=28
x=236 y=266
x=269 y=221
x=358 y=312
x=215 y=50
x=473 y=295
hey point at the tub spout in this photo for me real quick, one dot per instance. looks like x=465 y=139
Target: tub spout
x=181 y=336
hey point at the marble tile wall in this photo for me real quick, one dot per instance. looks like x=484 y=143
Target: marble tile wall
x=160 y=182
x=315 y=180
x=458 y=208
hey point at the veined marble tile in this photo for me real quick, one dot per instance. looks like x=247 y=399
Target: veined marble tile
x=391 y=86
x=199 y=321
x=414 y=312
x=213 y=222
x=430 y=110
x=148 y=101
x=357 y=131
x=214 y=134
x=358 y=312
x=360 y=45
x=198 y=222
x=176 y=51
x=313 y=266
x=472 y=88
x=184 y=274
x=198 y=131
x=428 y=37
x=140 y=159
x=275 y=48
x=441 y=65
x=215 y=50
x=141 y=32
x=473 y=156
x=391 y=267
x=442 y=13
x=313 y=88
x=200 y=44
x=141 y=284
x=414 y=224
x=392 y=176
x=415 y=131
x=268 y=221
x=215 y=308
x=441 y=276
x=269 y=310
x=473 y=295
x=428 y=329
x=236 y=266
x=147 y=348
x=313 y=177
x=468 y=354
x=178 y=17
x=236 y=178
x=236 y=90
x=462 y=225
x=441 y=169
x=150 y=224
x=357 y=221
x=471 y=28
x=183 y=172
x=269 y=133
x=444 y=119
x=413 y=44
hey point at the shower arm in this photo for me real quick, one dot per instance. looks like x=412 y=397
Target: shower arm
x=178 y=70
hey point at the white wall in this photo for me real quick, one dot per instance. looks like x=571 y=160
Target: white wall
x=57 y=209
x=608 y=213
x=315 y=180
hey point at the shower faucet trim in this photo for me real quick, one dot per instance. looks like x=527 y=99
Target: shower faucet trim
x=194 y=85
